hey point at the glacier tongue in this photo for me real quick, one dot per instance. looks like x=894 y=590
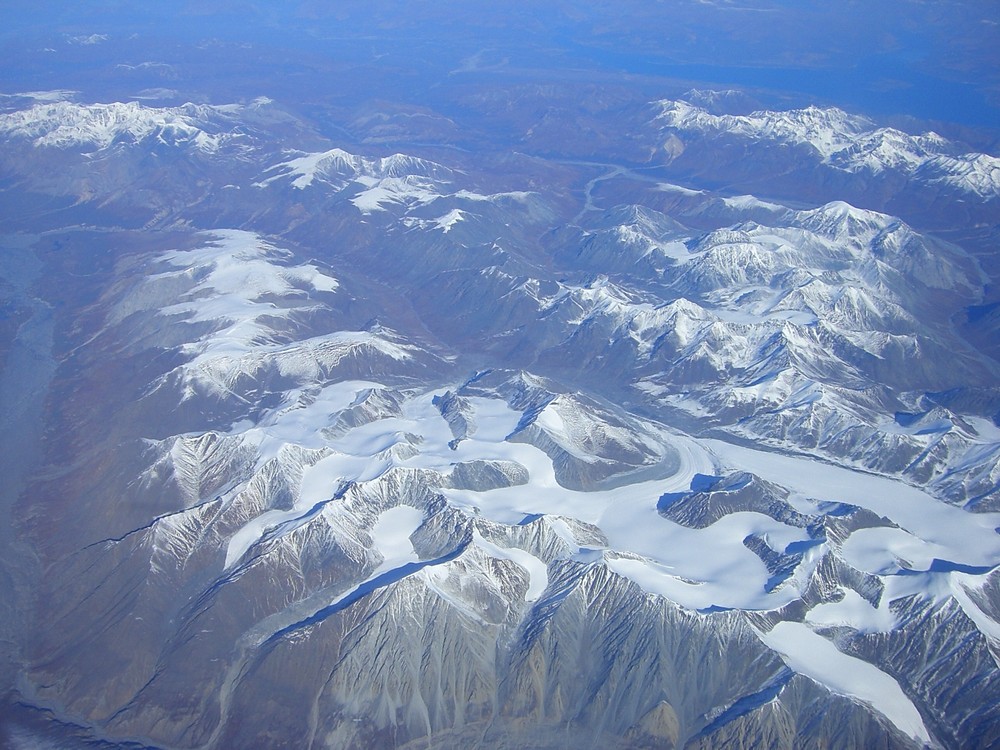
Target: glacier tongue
x=816 y=657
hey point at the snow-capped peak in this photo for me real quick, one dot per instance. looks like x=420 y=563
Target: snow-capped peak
x=66 y=124
x=846 y=142
x=337 y=167
x=827 y=130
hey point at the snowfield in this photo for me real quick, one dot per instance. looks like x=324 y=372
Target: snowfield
x=814 y=656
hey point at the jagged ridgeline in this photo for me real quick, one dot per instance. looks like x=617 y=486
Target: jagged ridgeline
x=349 y=448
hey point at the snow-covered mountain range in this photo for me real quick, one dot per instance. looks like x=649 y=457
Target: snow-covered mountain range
x=386 y=450
x=97 y=127
x=847 y=142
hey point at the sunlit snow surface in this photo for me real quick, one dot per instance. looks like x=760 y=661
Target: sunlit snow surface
x=814 y=656
x=397 y=181
x=848 y=142
x=698 y=568
x=54 y=122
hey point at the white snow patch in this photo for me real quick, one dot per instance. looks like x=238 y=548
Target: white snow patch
x=850 y=143
x=381 y=184
x=395 y=191
x=88 y=39
x=885 y=550
x=815 y=657
x=853 y=611
x=305 y=169
x=749 y=202
x=449 y=220
x=961 y=584
x=662 y=557
x=669 y=187
x=303 y=417
x=515 y=195
x=538 y=576
x=239 y=266
x=391 y=535
x=677 y=566
x=986 y=431
x=931 y=528
x=54 y=122
x=241 y=288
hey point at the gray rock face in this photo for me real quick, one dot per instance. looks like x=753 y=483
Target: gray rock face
x=712 y=498
x=482 y=476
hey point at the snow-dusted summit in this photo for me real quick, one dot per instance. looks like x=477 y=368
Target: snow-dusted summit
x=846 y=142
x=66 y=124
